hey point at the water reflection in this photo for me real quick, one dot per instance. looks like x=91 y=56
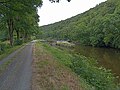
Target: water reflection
x=107 y=57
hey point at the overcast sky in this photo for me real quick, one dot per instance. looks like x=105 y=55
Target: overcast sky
x=54 y=12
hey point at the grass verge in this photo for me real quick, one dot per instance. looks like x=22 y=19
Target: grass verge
x=51 y=71
x=86 y=68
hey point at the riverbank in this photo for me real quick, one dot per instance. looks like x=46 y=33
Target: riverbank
x=50 y=73
x=86 y=70
x=106 y=57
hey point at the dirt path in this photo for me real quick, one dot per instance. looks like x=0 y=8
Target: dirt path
x=19 y=72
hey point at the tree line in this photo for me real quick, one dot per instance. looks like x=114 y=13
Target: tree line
x=18 y=19
x=99 y=26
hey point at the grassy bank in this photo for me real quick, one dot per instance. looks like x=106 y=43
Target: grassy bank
x=85 y=68
x=51 y=70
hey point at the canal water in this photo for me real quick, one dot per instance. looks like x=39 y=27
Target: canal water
x=106 y=57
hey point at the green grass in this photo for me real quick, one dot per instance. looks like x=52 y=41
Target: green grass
x=61 y=56
x=65 y=58
x=95 y=77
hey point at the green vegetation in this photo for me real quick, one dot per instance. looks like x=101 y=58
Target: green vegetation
x=18 y=20
x=49 y=74
x=101 y=78
x=6 y=49
x=63 y=56
x=18 y=23
x=99 y=26
x=86 y=68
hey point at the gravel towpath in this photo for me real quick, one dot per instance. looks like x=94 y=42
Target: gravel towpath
x=19 y=72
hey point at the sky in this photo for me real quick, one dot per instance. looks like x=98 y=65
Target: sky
x=54 y=12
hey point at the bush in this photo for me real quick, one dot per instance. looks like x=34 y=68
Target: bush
x=2 y=47
x=18 y=42
x=100 y=78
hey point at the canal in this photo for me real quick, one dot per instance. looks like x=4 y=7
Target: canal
x=106 y=57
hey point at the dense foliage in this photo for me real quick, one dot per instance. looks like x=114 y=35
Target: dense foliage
x=18 y=19
x=99 y=26
x=100 y=78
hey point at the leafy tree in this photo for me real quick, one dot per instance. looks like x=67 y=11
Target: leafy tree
x=54 y=1
x=15 y=10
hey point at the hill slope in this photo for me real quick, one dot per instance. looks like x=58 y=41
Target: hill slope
x=99 y=26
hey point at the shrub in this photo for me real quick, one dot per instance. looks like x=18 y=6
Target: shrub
x=2 y=47
x=100 y=78
x=18 y=42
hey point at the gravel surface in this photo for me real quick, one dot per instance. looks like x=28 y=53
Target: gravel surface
x=19 y=72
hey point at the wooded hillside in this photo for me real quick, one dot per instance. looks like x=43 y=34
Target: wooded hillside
x=99 y=26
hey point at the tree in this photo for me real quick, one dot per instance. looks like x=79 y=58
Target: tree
x=16 y=9
x=99 y=26
x=54 y=1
